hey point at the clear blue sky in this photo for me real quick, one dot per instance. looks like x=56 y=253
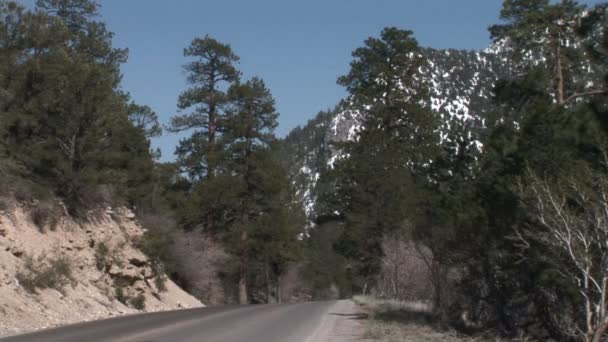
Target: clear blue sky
x=299 y=47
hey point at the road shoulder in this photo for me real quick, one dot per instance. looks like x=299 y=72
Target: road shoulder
x=343 y=322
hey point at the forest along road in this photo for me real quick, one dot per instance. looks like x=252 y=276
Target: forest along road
x=336 y=321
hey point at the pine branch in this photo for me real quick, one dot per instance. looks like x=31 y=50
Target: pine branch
x=587 y=93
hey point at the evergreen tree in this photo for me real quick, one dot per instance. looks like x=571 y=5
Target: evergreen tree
x=211 y=71
x=258 y=209
x=76 y=14
x=65 y=119
x=145 y=119
x=375 y=183
x=279 y=222
x=540 y=129
x=543 y=35
x=324 y=269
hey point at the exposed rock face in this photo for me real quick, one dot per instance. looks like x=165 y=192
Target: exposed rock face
x=96 y=276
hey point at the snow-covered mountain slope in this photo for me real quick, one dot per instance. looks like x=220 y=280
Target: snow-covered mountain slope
x=461 y=84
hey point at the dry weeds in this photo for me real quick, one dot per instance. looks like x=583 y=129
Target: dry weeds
x=395 y=321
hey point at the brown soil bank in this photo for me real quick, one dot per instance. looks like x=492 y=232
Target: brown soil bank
x=56 y=272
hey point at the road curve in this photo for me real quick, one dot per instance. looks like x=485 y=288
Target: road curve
x=305 y=322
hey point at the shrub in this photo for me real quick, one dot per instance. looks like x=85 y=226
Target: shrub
x=106 y=256
x=138 y=302
x=159 y=280
x=101 y=256
x=120 y=292
x=26 y=191
x=120 y=286
x=406 y=270
x=55 y=273
x=157 y=240
x=21 y=190
x=156 y=245
x=45 y=214
x=4 y=204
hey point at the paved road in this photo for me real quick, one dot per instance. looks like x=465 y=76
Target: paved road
x=306 y=322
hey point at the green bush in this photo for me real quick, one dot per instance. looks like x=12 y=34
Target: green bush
x=22 y=195
x=27 y=191
x=120 y=286
x=106 y=256
x=39 y=273
x=156 y=245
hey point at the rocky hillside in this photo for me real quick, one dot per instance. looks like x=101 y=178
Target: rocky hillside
x=55 y=272
x=461 y=85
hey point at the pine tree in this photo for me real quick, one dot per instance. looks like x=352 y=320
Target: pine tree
x=279 y=222
x=145 y=119
x=375 y=183
x=544 y=34
x=65 y=118
x=209 y=74
x=543 y=128
x=76 y=14
x=259 y=183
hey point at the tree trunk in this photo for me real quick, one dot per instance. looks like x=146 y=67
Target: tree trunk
x=278 y=289
x=268 y=282
x=243 y=271
x=599 y=332
x=437 y=298
x=243 y=300
x=211 y=162
x=439 y=281
x=212 y=129
x=561 y=99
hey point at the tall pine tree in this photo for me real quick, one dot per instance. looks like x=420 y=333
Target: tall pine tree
x=376 y=179
x=259 y=183
x=210 y=73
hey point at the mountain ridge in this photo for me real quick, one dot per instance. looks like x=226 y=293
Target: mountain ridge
x=460 y=84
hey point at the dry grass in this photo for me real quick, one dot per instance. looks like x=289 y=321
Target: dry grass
x=410 y=332
x=394 y=321
x=391 y=305
x=40 y=273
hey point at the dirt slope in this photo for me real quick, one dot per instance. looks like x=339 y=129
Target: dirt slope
x=91 y=293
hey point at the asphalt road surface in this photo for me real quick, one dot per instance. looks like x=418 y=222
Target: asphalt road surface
x=306 y=322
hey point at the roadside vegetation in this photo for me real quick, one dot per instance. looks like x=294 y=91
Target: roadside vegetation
x=45 y=272
x=136 y=301
x=497 y=224
x=46 y=215
x=502 y=222
x=73 y=142
x=399 y=321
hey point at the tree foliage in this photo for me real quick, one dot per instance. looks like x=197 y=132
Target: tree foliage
x=373 y=185
x=471 y=208
x=238 y=191
x=64 y=118
x=211 y=71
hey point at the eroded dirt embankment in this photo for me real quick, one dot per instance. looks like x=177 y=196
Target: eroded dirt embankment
x=95 y=271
